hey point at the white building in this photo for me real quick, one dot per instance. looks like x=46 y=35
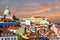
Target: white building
x=27 y=22
x=44 y=21
x=7 y=13
x=9 y=38
x=7 y=35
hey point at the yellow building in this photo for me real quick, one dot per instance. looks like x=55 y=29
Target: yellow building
x=33 y=19
x=36 y=19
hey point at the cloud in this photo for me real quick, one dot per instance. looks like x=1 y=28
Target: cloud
x=36 y=5
x=24 y=11
x=22 y=8
x=39 y=12
x=33 y=4
x=51 y=17
x=28 y=13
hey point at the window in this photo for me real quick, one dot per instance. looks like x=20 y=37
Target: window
x=1 y=38
x=5 y=38
x=14 y=38
x=11 y=38
x=8 y=38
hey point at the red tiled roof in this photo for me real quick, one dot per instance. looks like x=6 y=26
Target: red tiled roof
x=4 y=30
x=7 y=19
x=41 y=27
x=22 y=20
x=13 y=27
x=37 y=17
x=58 y=27
x=51 y=31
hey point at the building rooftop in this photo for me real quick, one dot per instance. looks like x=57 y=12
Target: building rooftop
x=37 y=17
x=58 y=23
x=7 y=24
x=13 y=27
x=5 y=32
x=58 y=27
x=22 y=20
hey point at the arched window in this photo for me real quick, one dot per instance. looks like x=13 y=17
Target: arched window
x=5 y=38
x=1 y=38
x=11 y=38
x=14 y=38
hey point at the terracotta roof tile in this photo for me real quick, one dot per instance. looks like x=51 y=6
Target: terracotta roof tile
x=51 y=31
x=4 y=30
x=37 y=17
x=58 y=27
x=22 y=20
x=13 y=27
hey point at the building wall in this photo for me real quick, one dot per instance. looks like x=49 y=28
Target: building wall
x=38 y=19
x=9 y=38
x=55 y=30
x=7 y=24
x=33 y=19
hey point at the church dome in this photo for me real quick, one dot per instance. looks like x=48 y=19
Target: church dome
x=6 y=12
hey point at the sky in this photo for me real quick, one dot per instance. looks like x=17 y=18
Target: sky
x=27 y=8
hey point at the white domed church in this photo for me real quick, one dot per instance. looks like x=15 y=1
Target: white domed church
x=7 y=14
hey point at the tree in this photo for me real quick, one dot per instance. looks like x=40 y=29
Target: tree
x=14 y=18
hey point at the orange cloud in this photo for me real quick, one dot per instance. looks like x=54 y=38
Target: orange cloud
x=31 y=12
x=38 y=12
x=34 y=4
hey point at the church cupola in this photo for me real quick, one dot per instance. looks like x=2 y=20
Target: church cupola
x=7 y=15
x=6 y=12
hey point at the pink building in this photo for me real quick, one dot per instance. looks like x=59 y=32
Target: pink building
x=56 y=29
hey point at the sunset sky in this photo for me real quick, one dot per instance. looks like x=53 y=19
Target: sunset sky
x=25 y=8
